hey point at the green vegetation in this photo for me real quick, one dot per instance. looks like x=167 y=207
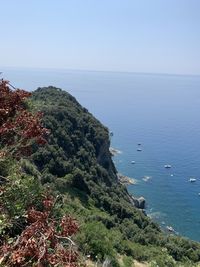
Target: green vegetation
x=76 y=166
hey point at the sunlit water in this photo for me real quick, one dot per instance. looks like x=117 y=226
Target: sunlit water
x=159 y=111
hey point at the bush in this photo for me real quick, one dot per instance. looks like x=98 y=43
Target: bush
x=94 y=239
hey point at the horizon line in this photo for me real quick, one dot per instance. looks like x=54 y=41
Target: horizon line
x=110 y=71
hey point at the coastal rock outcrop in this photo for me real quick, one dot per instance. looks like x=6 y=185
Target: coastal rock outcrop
x=125 y=180
x=139 y=202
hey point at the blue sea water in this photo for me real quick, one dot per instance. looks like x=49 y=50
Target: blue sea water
x=162 y=112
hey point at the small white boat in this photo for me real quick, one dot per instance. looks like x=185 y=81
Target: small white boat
x=132 y=162
x=167 y=166
x=192 y=180
x=146 y=178
x=139 y=149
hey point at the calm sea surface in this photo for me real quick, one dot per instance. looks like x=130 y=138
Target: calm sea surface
x=162 y=112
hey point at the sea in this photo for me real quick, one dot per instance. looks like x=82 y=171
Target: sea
x=158 y=111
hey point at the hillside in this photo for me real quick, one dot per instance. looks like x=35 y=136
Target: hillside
x=77 y=162
x=76 y=168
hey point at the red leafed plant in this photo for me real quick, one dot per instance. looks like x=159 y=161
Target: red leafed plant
x=18 y=127
x=44 y=242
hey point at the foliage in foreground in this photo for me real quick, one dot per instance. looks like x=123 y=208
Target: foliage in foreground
x=18 y=127
x=44 y=242
x=30 y=234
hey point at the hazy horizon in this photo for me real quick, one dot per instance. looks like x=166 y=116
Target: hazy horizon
x=90 y=70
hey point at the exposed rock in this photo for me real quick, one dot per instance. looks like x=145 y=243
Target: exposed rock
x=105 y=160
x=139 y=202
x=114 y=151
x=125 y=180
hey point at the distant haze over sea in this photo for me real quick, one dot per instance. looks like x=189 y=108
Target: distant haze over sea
x=159 y=111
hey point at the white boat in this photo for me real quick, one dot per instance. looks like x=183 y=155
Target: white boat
x=139 y=149
x=132 y=162
x=167 y=166
x=146 y=178
x=192 y=180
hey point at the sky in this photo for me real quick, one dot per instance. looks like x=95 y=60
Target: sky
x=150 y=36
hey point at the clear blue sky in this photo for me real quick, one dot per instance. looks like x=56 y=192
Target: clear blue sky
x=161 y=36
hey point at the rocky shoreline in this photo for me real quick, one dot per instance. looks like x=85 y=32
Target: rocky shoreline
x=140 y=202
x=114 y=151
x=125 y=180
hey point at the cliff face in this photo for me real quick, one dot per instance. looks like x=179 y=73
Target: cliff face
x=105 y=160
